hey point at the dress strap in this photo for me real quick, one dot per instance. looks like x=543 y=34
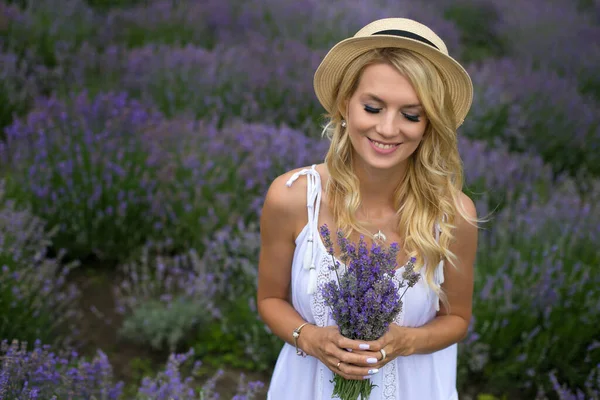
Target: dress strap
x=313 y=204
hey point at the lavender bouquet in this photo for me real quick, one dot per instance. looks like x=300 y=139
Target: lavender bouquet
x=365 y=298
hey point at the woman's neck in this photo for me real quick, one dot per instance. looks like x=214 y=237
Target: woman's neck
x=377 y=188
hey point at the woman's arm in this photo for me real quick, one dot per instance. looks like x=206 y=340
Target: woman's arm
x=280 y=215
x=451 y=325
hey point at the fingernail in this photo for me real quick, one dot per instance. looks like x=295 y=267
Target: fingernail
x=371 y=360
x=373 y=371
x=366 y=377
x=350 y=350
x=363 y=346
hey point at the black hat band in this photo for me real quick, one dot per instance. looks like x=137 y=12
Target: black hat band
x=405 y=34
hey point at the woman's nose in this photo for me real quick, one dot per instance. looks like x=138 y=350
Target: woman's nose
x=387 y=126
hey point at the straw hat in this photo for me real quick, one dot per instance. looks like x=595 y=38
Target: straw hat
x=400 y=33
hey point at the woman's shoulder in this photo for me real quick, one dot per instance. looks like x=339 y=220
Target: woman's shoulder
x=467 y=204
x=286 y=197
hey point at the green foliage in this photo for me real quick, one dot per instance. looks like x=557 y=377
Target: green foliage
x=589 y=84
x=490 y=397
x=536 y=306
x=45 y=32
x=140 y=368
x=164 y=326
x=10 y=106
x=170 y=23
x=479 y=39
x=35 y=302
x=108 y=4
x=239 y=339
x=165 y=300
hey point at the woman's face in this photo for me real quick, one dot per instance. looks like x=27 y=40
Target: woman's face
x=385 y=119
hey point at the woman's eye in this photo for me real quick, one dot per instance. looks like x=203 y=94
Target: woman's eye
x=413 y=118
x=372 y=110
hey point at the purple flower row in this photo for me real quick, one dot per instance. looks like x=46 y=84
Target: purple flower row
x=94 y=166
x=553 y=34
x=40 y=373
x=239 y=78
x=230 y=80
x=536 y=110
x=537 y=293
x=84 y=166
x=317 y=24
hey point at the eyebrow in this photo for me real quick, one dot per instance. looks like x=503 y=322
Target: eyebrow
x=372 y=96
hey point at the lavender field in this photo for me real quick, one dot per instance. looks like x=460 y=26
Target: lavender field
x=138 y=138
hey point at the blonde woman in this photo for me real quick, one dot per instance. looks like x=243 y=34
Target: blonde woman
x=394 y=99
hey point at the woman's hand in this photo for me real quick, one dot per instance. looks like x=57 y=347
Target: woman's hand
x=396 y=342
x=345 y=357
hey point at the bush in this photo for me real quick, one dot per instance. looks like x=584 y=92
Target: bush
x=45 y=31
x=239 y=337
x=537 y=296
x=85 y=166
x=35 y=300
x=169 y=22
x=170 y=384
x=480 y=41
x=17 y=90
x=170 y=302
x=530 y=31
x=229 y=81
x=592 y=387
x=41 y=373
x=218 y=177
x=500 y=177
x=320 y=24
x=165 y=299
x=540 y=113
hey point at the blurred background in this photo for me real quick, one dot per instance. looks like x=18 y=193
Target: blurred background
x=138 y=138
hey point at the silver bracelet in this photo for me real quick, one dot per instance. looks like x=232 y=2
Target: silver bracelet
x=296 y=335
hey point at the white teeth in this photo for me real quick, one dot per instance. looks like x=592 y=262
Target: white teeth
x=383 y=146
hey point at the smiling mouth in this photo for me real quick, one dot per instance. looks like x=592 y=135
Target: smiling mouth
x=384 y=146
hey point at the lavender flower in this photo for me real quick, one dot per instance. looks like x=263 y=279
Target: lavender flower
x=51 y=30
x=535 y=270
x=204 y=188
x=41 y=374
x=85 y=166
x=44 y=373
x=36 y=301
x=364 y=299
x=511 y=108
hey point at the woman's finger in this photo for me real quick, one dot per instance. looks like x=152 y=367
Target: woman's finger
x=366 y=360
x=350 y=371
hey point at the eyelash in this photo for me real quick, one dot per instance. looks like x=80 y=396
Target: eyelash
x=372 y=110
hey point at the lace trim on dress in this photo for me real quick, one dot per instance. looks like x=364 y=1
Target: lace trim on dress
x=389 y=381
x=319 y=309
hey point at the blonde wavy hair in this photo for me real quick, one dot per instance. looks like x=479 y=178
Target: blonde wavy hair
x=430 y=191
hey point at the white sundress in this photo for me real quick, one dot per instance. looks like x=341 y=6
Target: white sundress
x=416 y=377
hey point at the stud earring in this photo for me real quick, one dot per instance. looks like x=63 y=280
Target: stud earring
x=344 y=123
